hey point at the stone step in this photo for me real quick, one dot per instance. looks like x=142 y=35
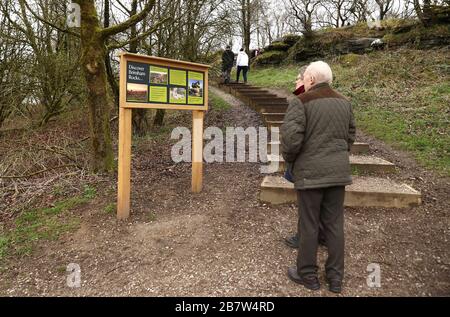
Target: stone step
x=364 y=192
x=360 y=163
x=357 y=147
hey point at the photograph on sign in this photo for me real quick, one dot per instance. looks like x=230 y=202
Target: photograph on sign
x=137 y=92
x=178 y=95
x=195 y=88
x=158 y=75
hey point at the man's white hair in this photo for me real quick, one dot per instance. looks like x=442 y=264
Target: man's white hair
x=320 y=71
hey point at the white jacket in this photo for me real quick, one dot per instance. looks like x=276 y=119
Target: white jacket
x=242 y=59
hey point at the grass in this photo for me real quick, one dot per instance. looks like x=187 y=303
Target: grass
x=275 y=77
x=401 y=97
x=217 y=103
x=46 y=223
x=111 y=208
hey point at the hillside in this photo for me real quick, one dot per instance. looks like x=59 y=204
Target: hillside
x=400 y=96
x=354 y=39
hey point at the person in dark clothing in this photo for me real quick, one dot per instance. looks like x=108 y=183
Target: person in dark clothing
x=316 y=137
x=227 y=64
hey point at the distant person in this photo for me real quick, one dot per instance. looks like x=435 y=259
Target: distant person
x=316 y=136
x=242 y=65
x=293 y=241
x=227 y=64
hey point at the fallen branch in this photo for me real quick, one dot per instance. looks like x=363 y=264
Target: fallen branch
x=39 y=172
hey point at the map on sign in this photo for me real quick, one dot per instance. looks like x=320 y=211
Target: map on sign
x=148 y=83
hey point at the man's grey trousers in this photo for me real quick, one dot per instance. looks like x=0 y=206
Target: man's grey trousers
x=325 y=205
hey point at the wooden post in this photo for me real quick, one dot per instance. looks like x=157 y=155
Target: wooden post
x=124 y=160
x=197 y=151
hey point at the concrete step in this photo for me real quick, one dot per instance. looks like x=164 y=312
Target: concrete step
x=360 y=148
x=274 y=124
x=357 y=147
x=364 y=192
x=360 y=163
x=274 y=116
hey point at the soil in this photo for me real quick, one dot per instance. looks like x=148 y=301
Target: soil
x=224 y=242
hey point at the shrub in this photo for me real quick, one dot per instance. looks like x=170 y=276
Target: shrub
x=277 y=46
x=271 y=58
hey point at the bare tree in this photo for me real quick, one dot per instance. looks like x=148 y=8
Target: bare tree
x=13 y=81
x=303 y=11
x=384 y=6
x=337 y=13
x=360 y=10
x=53 y=65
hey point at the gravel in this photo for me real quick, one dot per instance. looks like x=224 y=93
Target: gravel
x=224 y=242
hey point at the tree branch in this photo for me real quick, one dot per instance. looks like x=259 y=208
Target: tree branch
x=113 y=30
x=49 y=23
x=139 y=37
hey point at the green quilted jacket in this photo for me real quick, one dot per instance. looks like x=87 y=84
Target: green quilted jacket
x=316 y=136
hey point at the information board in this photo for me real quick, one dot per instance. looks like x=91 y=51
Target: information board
x=159 y=83
x=167 y=84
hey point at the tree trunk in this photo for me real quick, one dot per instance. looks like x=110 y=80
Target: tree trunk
x=93 y=64
x=159 y=117
x=140 y=122
x=111 y=79
x=246 y=24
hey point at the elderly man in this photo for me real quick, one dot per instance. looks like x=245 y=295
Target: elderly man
x=293 y=241
x=316 y=137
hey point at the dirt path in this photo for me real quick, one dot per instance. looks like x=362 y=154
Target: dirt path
x=225 y=242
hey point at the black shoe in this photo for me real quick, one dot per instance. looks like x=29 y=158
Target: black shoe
x=292 y=241
x=310 y=282
x=335 y=285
